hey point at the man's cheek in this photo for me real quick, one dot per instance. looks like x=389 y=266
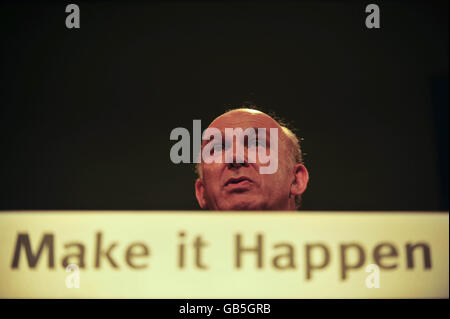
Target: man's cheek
x=208 y=170
x=270 y=168
x=211 y=176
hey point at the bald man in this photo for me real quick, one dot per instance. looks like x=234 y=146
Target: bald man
x=239 y=184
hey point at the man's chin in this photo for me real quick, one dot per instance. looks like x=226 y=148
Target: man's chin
x=241 y=204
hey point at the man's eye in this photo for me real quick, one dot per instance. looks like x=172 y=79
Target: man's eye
x=256 y=142
x=253 y=142
x=217 y=148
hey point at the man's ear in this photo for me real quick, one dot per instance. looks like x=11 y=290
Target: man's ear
x=301 y=178
x=200 y=193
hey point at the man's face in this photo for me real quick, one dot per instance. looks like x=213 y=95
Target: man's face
x=241 y=186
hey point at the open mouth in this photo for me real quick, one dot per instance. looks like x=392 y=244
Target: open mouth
x=238 y=181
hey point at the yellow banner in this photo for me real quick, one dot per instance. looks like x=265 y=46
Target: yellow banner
x=121 y=254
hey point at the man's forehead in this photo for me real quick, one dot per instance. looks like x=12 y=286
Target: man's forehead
x=244 y=118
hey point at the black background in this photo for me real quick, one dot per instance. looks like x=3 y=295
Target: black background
x=86 y=113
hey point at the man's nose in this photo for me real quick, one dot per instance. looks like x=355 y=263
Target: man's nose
x=238 y=160
x=237 y=165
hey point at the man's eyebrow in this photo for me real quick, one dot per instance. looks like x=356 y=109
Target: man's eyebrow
x=255 y=129
x=266 y=137
x=211 y=137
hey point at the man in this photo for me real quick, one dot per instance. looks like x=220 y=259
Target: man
x=239 y=185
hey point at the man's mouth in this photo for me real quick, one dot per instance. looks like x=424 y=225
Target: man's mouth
x=238 y=182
